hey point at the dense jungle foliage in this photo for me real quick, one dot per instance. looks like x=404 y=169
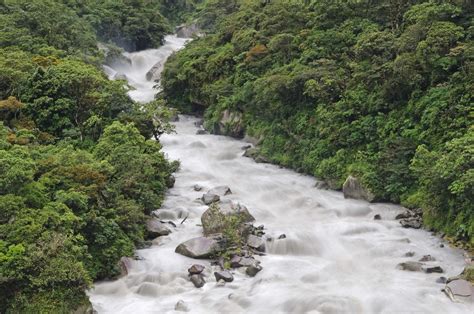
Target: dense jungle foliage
x=78 y=173
x=379 y=89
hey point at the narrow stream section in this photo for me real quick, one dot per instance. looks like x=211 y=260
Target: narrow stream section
x=335 y=258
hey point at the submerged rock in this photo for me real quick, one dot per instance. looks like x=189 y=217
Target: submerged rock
x=410 y=254
x=427 y=258
x=196 y=269
x=442 y=280
x=353 y=188
x=377 y=217
x=201 y=132
x=197 y=187
x=282 y=236
x=156 y=228
x=201 y=247
x=197 y=280
x=221 y=190
x=224 y=275
x=411 y=266
x=181 y=306
x=215 y=218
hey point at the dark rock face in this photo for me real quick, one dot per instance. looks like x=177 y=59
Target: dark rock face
x=353 y=188
x=196 y=269
x=224 y=275
x=214 y=218
x=201 y=247
x=411 y=266
x=256 y=243
x=435 y=269
x=156 y=228
x=170 y=181
x=197 y=280
x=252 y=270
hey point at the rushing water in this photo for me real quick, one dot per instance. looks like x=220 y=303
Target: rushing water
x=335 y=258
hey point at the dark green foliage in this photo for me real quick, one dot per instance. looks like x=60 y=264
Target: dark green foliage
x=346 y=87
x=78 y=173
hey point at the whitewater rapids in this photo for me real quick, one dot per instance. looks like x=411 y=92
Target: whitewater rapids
x=335 y=259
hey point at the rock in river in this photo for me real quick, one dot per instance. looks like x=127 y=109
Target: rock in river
x=224 y=275
x=197 y=280
x=156 y=228
x=214 y=218
x=353 y=188
x=201 y=247
x=196 y=269
x=256 y=243
x=210 y=198
x=411 y=266
x=253 y=270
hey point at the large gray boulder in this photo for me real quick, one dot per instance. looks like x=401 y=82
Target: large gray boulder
x=216 y=218
x=156 y=228
x=353 y=188
x=210 y=198
x=256 y=243
x=155 y=72
x=460 y=290
x=201 y=247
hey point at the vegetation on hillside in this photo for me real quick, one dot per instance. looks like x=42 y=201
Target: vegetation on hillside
x=382 y=90
x=78 y=172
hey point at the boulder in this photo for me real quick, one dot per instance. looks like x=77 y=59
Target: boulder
x=410 y=254
x=411 y=266
x=154 y=73
x=460 y=290
x=200 y=247
x=170 y=181
x=442 y=280
x=156 y=228
x=414 y=223
x=223 y=275
x=231 y=123
x=254 y=153
x=210 y=198
x=377 y=217
x=215 y=218
x=256 y=243
x=187 y=30
x=321 y=185
x=252 y=270
x=197 y=280
x=181 y=306
x=353 y=188
x=239 y=261
x=197 y=187
x=196 y=269
x=435 y=269
x=125 y=264
x=282 y=236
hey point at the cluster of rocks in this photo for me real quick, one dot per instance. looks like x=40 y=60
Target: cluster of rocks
x=411 y=218
x=214 y=242
x=459 y=288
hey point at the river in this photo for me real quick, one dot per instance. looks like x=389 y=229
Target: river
x=335 y=258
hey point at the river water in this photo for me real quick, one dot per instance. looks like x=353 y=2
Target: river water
x=335 y=259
